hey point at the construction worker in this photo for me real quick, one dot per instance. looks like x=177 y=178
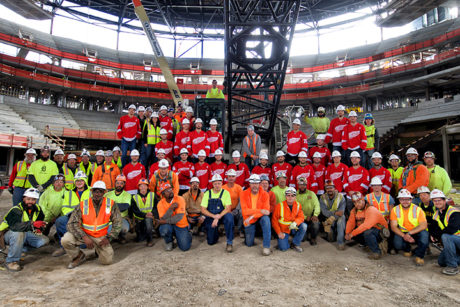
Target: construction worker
x=22 y=227
x=366 y=225
x=235 y=192
x=193 y=198
x=335 y=131
x=297 y=141
x=356 y=178
x=354 y=138
x=203 y=171
x=280 y=189
x=320 y=123
x=148 y=114
x=117 y=157
x=320 y=149
x=310 y=206
x=214 y=91
x=59 y=160
x=69 y=168
x=448 y=220
x=424 y=201
x=140 y=141
x=133 y=171
x=165 y=121
x=42 y=171
x=319 y=172
x=263 y=167
x=255 y=209
x=184 y=170
x=198 y=140
x=163 y=176
x=281 y=165
x=89 y=224
x=396 y=173
x=215 y=205
x=100 y=159
x=166 y=145
x=336 y=171
x=379 y=199
x=123 y=200
x=189 y=117
x=415 y=174
x=409 y=224
x=107 y=172
x=251 y=148
x=51 y=200
x=303 y=170
x=377 y=170
x=241 y=169
x=215 y=140
x=160 y=155
x=288 y=219
x=373 y=140
x=332 y=205
x=218 y=166
x=85 y=165
x=175 y=124
x=439 y=178
x=143 y=207
x=173 y=220
x=180 y=114
x=182 y=139
x=129 y=130
x=19 y=182
x=151 y=136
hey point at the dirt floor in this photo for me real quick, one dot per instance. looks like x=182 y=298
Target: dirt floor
x=207 y=276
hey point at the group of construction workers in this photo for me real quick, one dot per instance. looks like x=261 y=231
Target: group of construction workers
x=185 y=189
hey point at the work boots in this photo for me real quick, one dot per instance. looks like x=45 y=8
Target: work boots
x=229 y=248
x=77 y=260
x=13 y=266
x=419 y=261
x=266 y=251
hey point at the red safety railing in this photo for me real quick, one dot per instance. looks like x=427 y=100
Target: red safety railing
x=13 y=140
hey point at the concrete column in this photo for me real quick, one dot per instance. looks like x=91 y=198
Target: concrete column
x=10 y=164
x=445 y=150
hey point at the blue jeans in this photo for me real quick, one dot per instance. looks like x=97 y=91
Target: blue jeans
x=142 y=151
x=183 y=236
x=17 y=195
x=125 y=147
x=148 y=156
x=421 y=239
x=367 y=161
x=450 y=256
x=339 y=229
x=20 y=241
x=61 y=226
x=283 y=244
x=250 y=232
x=251 y=163
x=370 y=238
x=212 y=233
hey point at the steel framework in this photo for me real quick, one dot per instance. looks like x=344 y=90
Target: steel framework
x=258 y=36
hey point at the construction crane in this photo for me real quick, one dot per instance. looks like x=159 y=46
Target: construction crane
x=159 y=55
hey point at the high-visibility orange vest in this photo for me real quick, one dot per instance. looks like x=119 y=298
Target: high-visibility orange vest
x=254 y=141
x=96 y=226
x=383 y=205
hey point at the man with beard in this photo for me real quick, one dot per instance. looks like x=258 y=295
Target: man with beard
x=85 y=165
x=70 y=168
x=415 y=174
x=59 y=160
x=439 y=178
x=42 y=171
x=193 y=199
x=321 y=123
x=310 y=206
x=123 y=201
x=19 y=182
x=333 y=206
x=51 y=200
x=107 y=172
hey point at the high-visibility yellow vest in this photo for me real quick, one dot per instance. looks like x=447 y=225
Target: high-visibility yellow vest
x=443 y=224
x=21 y=176
x=153 y=134
x=335 y=203
x=281 y=219
x=70 y=202
x=395 y=175
x=88 y=170
x=370 y=133
x=215 y=93
x=383 y=205
x=69 y=179
x=118 y=162
x=25 y=217
x=146 y=206
x=123 y=198
x=414 y=213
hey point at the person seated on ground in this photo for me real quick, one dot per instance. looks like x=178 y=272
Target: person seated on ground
x=22 y=227
x=143 y=210
x=255 y=208
x=448 y=232
x=87 y=227
x=235 y=191
x=408 y=222
x=193 y=198
x=439 y=178
x=173 y=220
x=51 y=201
x=288 y=219
x=365 y=225
x=280 y=189
x=123 y=200
x=310 y=207
x=333 y=204
x=215 y=205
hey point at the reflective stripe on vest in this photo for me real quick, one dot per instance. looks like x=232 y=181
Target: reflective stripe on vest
x=281 y=219
x=335 y=203
x=68 y=175
x=25 y=217
x=92 y=224
x=81 y=167
x=21 y=175
x=146 y=206
x=413 y=216
x=67 y=206
x=445 y=223
x=153 y=134
x=384 y=200
x=160 y=181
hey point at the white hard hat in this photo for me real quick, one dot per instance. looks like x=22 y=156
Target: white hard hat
x=134 y=152
x=303 y=154
x=154 y=114
x=141 y=109
x=80 y=175
x=132 y=107
x=31 y=151
x=404 y=193
x=183 y=151
x=163 y=107
x=32 y=193
x=236 y=154
x=163 y=163
x=100 y=153
x=231 y=172
x=423 y=189
x=336 y=153
x=185 y=121
x=71 y=156
x=216 y=177
x=161 y=150
x=279 y=153
x=85 y=153
x=198 y=120
x=163 y=131
x=296 y=121
x=218 y=152
x=116 y=148
x=376 y=181
x=412 y=151
x=340 y=108
x=376 y=155
x=99 y=185
x=59 y=152
x=194 y=179
x=437 y=194
x=280 y=174
x=108 y=153
x=201 y=153
x=290 y=190
x=355 y=154
x=213 y=122
x=321 y=137
x=189 y=110
x=352 y=113
x=263 y=155
x=316 y=155
x=321 y=109
x=254 y=178
x=393 y=157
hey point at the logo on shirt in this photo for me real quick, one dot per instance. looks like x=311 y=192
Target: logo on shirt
x=198 y=140
x=239 y=173
x=213 y=139
x=335 y=176
x=185 y=140
x=294 y=140
x=353 y=134
x=319 y=174
x=354 y=178
x=339 y=128
x=202 y=172
x=129 y=125
x=134 y=174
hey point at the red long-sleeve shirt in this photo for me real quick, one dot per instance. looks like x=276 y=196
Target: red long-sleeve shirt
x=296 y=142
x=199 y=142
x=182 y=140
x=320 y=171
x=133 y=174
x=154 y=167
x=286 y=168
x=354 y=137
x=218 y=169
x=184 y=171
x=384 y=175
x=259 y=170
x=337 y=175
x=203 y=172
x=166 y=123
x=129 y=128
x=242 y=174
x=168 y=148
x=215 y=142
x=335 y=131
x=356 y=180
x=306 y=172
x=323 y=151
